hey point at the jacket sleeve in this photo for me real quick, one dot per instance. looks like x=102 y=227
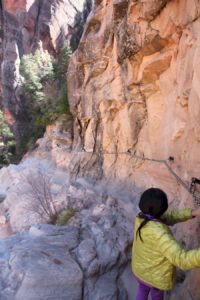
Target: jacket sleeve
x=178 y=256
x=176 y=216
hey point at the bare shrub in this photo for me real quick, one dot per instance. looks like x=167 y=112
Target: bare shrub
x=39 y=199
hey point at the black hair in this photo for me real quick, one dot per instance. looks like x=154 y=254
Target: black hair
x=152 y=202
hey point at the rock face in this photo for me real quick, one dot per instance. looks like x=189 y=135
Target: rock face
x=87 y=259
x=25 y=27
x=35 y=266
x=91 y=253
x=134 y=85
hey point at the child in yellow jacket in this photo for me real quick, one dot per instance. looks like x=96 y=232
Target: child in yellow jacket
x=155 y=252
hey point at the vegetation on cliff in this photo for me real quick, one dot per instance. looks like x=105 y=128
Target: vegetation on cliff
x=44 y=84
x=34 y=62
x=7 y=142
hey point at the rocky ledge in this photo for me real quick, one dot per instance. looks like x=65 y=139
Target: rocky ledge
x=87 y=259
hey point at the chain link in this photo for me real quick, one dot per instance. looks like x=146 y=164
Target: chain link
x=196 y=196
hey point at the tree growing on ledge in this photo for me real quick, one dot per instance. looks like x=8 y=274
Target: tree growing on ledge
x=44 y=83
x=36 y=69
x=7 y=142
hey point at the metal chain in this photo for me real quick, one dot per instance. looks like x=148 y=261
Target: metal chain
x=163 y=161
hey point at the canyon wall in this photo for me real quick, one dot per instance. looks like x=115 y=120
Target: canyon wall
x=134 y=92
x=134 y=96
x=27 y=25
x=134 y=86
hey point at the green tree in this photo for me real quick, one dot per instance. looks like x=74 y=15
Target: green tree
x=39 y=71
x=7 y=142
x=36 y=69
x=61 y=63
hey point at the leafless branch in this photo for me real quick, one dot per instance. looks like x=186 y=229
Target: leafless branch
x=37 y=191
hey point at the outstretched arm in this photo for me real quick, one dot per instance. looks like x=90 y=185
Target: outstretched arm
x=178 y=256
x=176 y=216
x=182 y=215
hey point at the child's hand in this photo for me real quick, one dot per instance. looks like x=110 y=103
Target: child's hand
x=196 y=212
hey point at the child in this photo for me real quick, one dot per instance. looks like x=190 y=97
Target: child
x=155 y=252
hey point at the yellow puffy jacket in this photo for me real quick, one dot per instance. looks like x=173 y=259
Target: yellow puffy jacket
x=154 y=260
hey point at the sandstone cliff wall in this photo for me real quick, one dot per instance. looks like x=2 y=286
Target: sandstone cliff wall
x=134 y=84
